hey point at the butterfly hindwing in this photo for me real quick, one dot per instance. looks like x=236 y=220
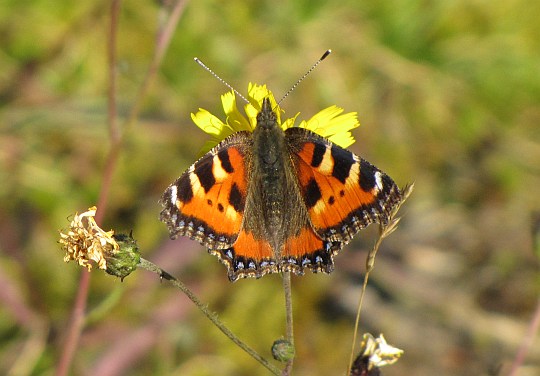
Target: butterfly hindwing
x=343 y=193
x=252 y=257
x=207 y=202
x=248 y=257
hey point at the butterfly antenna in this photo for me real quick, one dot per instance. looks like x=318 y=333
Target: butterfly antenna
x=328 y=52
x=198 y=61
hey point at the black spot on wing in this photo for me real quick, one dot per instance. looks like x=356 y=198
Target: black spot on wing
x=312 y=193
x=343 y=160
x=223 y=156
x=318 y=154
x=203 y=170
x=184 y=192
x=236 y=199
x=367 y=176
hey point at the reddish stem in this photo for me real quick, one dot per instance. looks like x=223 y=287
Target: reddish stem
x=527 y=342
x=75 y=326
x=116 y=136
x=79 y=308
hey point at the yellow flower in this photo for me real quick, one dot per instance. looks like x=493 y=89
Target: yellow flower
x=329 y=123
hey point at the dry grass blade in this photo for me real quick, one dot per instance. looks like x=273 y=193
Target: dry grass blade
x=384 y=231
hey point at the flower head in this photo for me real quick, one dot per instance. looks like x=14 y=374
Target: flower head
x=329 y=123
x=85 y=241
x=283 y=350
x=374 y=353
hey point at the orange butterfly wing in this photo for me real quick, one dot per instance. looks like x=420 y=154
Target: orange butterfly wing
x=207 y=202
x=342 y=192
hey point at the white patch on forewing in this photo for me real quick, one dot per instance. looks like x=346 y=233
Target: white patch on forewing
x=378 y=181
x=174 y=194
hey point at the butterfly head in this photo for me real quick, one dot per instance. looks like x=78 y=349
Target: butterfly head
x=266 y=118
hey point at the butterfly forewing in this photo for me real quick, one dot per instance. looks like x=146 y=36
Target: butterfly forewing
x=207 y=202
x=342 y=192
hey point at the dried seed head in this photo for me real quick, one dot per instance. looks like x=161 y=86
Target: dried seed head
x=85 y=241
x=374 y=353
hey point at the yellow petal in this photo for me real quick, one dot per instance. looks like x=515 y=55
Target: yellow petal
x=235 y=119
x=289 y=123
x=331 y=124
x=208 y=145
x=210 y=123
x=342 y=139
x=256 y=94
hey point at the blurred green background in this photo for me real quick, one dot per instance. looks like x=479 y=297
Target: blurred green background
x=448 y=96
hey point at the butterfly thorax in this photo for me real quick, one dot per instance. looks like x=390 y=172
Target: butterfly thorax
x=274 y=195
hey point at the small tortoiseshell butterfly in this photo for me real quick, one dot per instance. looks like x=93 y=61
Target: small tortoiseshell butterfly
x=270 y=201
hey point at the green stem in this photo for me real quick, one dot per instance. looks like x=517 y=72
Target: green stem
x=145 y=264
x=287 y=287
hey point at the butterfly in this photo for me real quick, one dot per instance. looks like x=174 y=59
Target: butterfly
x=272 y=201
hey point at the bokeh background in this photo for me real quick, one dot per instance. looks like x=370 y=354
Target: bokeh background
x=448 y=96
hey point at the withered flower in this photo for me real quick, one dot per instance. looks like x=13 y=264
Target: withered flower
x=85 y=241
x=374 y=353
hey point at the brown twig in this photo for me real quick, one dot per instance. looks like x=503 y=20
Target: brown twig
x=534 y=325
x=527 y=342
x=75 y=326
x=78 y=314
x=384 y=231
x=116 y=137
x=163 y=40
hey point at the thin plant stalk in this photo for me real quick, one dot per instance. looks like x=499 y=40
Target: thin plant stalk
x=527 y=342
x=75 y=326
x=116 y=137
x=384 y=231
x=287 y=287
x=534 y=325
x=78 y=314
x=145 y=264
x=370 y=263
x=162 y=44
